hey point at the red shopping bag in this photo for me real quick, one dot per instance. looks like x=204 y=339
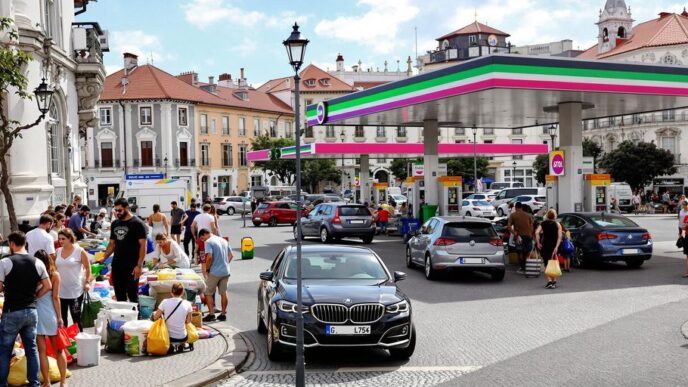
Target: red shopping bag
x=63 y=341
x=560 y=259
x=72 y=331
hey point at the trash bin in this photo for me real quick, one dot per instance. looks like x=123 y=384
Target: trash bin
x=87 y=349
x=427 y=212
x=409 y=225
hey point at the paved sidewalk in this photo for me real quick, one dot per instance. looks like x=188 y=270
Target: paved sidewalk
x=212 y=360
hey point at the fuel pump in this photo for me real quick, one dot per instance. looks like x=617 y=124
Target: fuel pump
x=552 y=187
x=596 y=192
x=450 y=194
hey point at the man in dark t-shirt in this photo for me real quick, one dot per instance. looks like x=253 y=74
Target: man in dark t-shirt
x=188 y=220
x=176 y=214
x=128 y=242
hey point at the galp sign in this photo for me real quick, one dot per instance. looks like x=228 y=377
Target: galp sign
x=556 y=163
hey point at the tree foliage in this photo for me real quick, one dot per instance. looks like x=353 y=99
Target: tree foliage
x=541 y=168
x=638 y=163
x=12 y=77
x=591 y=149
x=399 y=167
x=319 y=170
x=463 y=166
x=285 y=170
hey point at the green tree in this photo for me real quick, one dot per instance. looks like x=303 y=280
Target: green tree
x=638 y=163
x=591 y=149
x=12 y=79
x=319 y=170
x=463 y=166
x=541 y=167
x=285 y=170
x=399 y=167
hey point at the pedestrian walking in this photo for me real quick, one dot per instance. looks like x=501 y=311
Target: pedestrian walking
x=75 y=273
x=636 y=202
x=382 y=218
x=77 y=223
x=158 y=222
x=548 y=238
x=128 y=242
x=218 y=255
x=49 y=320
x=520 y=224
x=176 y=216
x=168 y=253
x=40 y=239
x=20 y=276
x=682 y=213
x=189 y=237
x=205 y=221
x=254 y=204
x=214 y=214
x=666 y=201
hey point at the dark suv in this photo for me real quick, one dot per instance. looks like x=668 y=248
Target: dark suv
x=338 y=220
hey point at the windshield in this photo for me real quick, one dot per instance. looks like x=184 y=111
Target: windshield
x=337 y=265
x=218 y=200
x=481 y=203
x=467 y=231
x=353 y=211
x=612 y=221
x=263 y=206
x=398 y=197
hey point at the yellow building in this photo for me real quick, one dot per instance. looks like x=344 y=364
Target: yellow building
x=225 y=132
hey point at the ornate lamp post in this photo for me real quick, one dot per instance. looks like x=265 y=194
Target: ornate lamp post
x=296 y=49
x=552 y=133
x=513 y=172
x=44 y=98
x=342 y=136
x=475 y=161
x=165 y=163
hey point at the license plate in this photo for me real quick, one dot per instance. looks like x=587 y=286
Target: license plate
x=256 y=218
x=356 y=221
x=347 y=330
x=487 y=213
x=470 y=261
x=630 y=251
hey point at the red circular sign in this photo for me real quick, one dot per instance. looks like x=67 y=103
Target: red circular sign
x=558 y=164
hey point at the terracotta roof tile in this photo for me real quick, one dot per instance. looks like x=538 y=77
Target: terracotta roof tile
x=257 y=100
x=367 y=85
x=474 y=28
x=310 y=72
x=663 y=31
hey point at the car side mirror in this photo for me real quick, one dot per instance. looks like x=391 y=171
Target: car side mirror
x=267 y=276
x=399 y=276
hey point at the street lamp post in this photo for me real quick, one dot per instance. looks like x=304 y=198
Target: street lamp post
x=296 y=48
x=165 y=161
x=342 y=135
x=475 y=161
x=552 y=133
x=513 y=172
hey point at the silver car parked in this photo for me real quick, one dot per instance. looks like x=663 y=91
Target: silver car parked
x=457 y=242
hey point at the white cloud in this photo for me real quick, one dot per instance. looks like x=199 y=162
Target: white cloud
x=378 y=28
x=205 y=13
x=144 y=45
x=246 y=47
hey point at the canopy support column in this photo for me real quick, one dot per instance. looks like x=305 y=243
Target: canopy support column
x=365 y=179
x=570 y=186
x=430 y=160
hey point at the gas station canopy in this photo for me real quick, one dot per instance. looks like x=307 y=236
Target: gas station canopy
x=510 y=91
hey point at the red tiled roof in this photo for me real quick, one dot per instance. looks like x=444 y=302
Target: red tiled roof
x=310 y=72
x=149 y=82
x=474 y=28
x=663 y=31
x=257 y=100
x=367 y=85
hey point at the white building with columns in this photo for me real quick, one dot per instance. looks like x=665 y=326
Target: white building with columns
x=45 y=163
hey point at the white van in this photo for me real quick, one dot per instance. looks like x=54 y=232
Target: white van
x=502 y=185
x=623 y=194
x=509 y=193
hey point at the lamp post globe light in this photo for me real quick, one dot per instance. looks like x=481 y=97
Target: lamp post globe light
x=296 y=49
x=552 y=133
x=44 y=97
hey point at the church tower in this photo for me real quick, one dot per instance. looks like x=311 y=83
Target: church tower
x=615 y=25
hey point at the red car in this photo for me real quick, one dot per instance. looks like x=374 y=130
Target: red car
x=274 y=213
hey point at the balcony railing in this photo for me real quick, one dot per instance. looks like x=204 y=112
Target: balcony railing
x=451 y=54
x=187 y=163
x=146 y=164
x=204 y=129
x=91 y=51
x=115 y=164
x=205 y=162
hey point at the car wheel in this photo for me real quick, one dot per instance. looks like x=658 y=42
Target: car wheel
x=324 y=235
x=468 y=213
x=368 y=239
x=500 y=212
x=409 y=260
x=230 y=211
x=272 y=222
x=260 y=323
x=295 y=236
x=257 y=224
x=498 y=275
x=577 y=260
x=220 y=212
x=274 y=349
x=635 y=263
x=405 y=353
x=430 y=272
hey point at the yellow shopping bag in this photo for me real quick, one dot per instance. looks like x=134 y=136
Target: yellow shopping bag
x=158 y=340
x=553 y=270
x=191 y=333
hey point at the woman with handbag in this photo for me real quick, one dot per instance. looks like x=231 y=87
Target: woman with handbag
x=49 y=321
x=177 y=313
x=75 y=272
x=548 y=238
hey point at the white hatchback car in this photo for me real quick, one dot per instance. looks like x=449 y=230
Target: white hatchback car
x=478 y=209
x=532 y=204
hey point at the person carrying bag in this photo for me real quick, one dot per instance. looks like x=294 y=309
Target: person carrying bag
x=177 y=312
x=548 y=238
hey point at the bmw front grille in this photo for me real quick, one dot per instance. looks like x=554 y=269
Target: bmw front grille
x=330 y=313
x=366 y=313
x=340 y=314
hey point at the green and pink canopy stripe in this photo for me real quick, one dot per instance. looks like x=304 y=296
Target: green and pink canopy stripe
x=507 y=72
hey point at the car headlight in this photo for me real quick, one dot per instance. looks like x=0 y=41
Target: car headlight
x=290 y=307
x=399 y=307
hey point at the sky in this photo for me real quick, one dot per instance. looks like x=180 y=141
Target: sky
x=221 y=36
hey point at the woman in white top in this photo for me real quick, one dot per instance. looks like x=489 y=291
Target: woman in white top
x=75 y=274
x=158 y=222
x=177 y=313
x=213 y=212
x=168 y=253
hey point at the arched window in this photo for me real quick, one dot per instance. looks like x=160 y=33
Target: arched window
x=605 y=35
x=621 y=33
x=54 y=139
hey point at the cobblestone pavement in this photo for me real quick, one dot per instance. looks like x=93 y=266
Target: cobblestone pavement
x=123 y=370
x=472 y=331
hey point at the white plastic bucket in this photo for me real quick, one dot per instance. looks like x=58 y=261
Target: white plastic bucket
x=123 y=305
x=87 y=349
x=123 y=314
x=135 y=333
x=101 y=325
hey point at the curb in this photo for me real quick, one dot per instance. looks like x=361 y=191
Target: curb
x=236 y=355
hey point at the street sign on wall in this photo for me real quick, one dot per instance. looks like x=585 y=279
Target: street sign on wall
x=556 y=163
x=145 y=176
